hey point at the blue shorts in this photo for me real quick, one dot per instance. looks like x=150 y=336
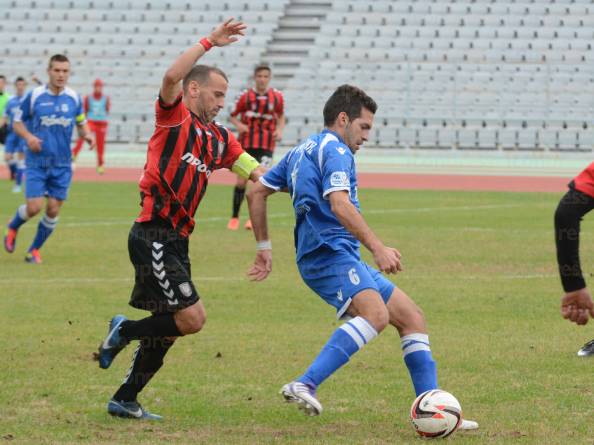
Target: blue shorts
x=338 y=276
x=51 y=181
x=14 y=144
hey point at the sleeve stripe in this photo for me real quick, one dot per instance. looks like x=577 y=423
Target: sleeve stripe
x=328 y=138
x=268 y=184
x=335 y=189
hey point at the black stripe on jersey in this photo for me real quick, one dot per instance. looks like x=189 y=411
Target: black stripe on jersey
x=215 y=147
x=272 y=123
x=184 y=221
x=196 y=179
x=167 y=152
x=262 y=120
x=251 y=120
x=183 y=166
x=225 y=135
x=158 y=202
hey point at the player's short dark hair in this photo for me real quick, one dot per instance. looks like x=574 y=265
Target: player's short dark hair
x=2 y=76
x=262 y=67
x=201 y=74
x=19 y=79
x=349 y=99
x=57 y=58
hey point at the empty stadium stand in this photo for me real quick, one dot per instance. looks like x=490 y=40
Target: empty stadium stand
x=457 y=75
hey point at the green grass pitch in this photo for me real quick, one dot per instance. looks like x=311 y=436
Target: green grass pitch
x=481 y=265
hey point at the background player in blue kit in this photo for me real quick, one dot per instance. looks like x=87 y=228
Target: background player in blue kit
x=51 y=112
x=320 y=176
x=14 y=148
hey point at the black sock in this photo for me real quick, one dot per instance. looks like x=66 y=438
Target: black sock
x=147 y=360
x=162 y=325
x=238 y=195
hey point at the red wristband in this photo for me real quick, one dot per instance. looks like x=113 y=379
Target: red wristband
x=206 y=44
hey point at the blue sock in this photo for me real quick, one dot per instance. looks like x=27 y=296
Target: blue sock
x=420 y=363
x=20 y=218
x=343 y=343
x=20 y=170
x=12 y=166
x=44 y=230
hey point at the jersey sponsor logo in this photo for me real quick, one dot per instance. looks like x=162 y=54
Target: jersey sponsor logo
x=259 y=115
x=193 y=160
x=339 y=179
x=354 y=277
x=341 y=150
x=49 y=121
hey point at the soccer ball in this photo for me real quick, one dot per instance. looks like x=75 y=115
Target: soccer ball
x=436 y=413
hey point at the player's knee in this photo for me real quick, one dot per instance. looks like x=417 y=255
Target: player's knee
x=193 y=324
x=378 y=317
x=413 y=320
x=33 y=208
x=417 y=319
x=53 y=212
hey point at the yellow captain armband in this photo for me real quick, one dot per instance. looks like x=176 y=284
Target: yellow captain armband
x=80 y=118
x=244 y=165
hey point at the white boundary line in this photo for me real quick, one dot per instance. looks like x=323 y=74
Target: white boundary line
x=130 y=221
x=77 y=280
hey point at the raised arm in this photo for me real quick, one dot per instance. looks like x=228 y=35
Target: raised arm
x=222 y=35
x=386 y=258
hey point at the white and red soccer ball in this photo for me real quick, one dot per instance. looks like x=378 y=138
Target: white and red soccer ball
x=436 y=413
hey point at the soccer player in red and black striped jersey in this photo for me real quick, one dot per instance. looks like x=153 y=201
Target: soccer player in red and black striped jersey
x=576 y=304
x=187 y=145
x=260 y=120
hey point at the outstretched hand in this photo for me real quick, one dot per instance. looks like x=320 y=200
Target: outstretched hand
x=225 y=33
x=262 y=266
x=577 y=306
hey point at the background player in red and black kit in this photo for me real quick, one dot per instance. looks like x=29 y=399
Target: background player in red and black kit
x=261 y=125
x=183 y=151
x=576 y=304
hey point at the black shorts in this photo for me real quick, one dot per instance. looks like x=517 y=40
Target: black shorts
x=163 y=281
x=264 y=157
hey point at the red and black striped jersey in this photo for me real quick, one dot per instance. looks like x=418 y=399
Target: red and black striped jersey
x=584 y=182
x=260 y=113
x=182 y=153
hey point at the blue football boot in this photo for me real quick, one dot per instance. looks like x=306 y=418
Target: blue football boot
x=113 y=343
x=130 y=410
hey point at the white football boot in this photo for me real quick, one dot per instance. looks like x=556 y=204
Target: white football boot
x=303 y=396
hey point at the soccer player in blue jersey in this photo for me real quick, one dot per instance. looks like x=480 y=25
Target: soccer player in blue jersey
x=51 y=112
x=14 y=148
x=320 y=176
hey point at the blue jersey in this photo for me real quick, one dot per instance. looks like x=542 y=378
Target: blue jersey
x=322 y=164
x=13 y=104
x=51 y=117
